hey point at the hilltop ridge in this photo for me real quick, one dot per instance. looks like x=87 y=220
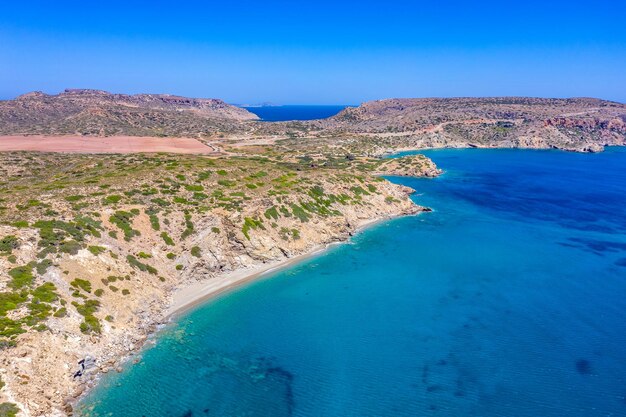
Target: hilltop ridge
x=580 y=124
x=100 y=113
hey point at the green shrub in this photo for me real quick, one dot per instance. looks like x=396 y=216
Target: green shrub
x=45 y=292
x=226 y=183
x=90 y=324
x=37 y=312
x=112 y=199
x=74 y=198
x=123 y=220
x=190 y=187
x=83 y=284
x=135 y=263
x=299 y=213
x=21 y=276
x=43 y=266
x=8 y=410
x=188 y=227
x=249 y=224
x=11 y=300
x=195 y=251
x=154 y=222
x=71 y=247
x=160 y=202
x=167 y=239
x=96 y=250
x=8 y=243
x=271 y=213
x=204 y=175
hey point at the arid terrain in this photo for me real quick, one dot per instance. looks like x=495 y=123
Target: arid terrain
x=106 y=144
x=96 y=249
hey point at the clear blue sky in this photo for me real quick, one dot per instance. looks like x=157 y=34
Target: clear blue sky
x=329 y=52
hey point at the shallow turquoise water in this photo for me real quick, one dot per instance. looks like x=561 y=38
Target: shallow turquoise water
x=508 y=300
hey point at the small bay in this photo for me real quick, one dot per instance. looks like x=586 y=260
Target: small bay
x=295 y=112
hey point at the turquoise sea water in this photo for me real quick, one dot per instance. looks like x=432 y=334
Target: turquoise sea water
x=295 y=112
x=509 y=299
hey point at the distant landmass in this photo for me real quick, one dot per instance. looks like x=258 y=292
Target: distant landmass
x=580 y=124
x=100 y=113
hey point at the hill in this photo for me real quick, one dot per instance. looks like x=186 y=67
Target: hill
x=583 y=124
x=99 y=113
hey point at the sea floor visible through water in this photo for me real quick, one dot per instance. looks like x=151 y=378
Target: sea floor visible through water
x=509 y=299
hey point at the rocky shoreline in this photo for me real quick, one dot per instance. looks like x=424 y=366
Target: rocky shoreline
x=147 y=336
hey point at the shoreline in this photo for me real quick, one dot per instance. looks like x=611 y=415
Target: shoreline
x=187 y=297
x=184 y=300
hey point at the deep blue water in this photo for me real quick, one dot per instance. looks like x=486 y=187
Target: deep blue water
x=294 y=112
x=509 y=299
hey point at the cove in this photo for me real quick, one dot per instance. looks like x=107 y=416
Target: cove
x=508 y=299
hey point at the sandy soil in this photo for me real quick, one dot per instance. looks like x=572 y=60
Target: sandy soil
x=112 y=144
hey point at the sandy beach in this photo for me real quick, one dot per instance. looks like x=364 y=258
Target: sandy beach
x=192 y=295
